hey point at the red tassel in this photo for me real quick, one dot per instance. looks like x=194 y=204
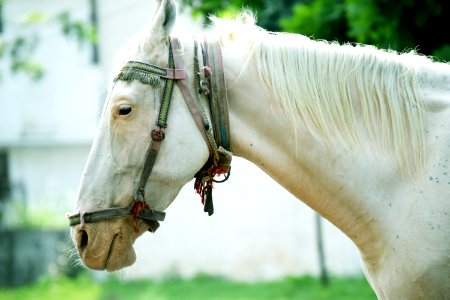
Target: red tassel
x=137 y=207
x=202 y=186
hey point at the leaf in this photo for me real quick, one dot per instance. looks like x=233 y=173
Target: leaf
x=35 y=17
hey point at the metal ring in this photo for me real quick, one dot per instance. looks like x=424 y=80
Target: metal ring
x=227 y=175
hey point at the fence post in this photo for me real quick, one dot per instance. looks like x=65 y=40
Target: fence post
x=324 y=278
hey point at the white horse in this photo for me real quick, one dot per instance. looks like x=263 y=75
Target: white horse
x=360 y=135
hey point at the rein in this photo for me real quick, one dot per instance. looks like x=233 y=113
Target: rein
x=210 y=81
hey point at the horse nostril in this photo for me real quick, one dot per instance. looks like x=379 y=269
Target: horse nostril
x=82 y=238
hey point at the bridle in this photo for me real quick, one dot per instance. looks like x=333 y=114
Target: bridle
x=210 y=81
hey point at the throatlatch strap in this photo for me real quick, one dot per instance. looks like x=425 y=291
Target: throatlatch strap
x=212 y=84
x=190 y=102
x=218 y=94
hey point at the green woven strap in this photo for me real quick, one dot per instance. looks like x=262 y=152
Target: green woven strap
x=145 y=68
x=152 y=75
x=134 y=71
x=147 y=73
x=167 y=94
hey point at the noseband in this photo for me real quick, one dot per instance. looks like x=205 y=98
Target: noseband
x=210 y=81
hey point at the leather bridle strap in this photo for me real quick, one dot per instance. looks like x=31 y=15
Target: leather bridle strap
x=211 y=83
x=190 y=102
x=212 y=55
x=157 y=134
x=98 y=215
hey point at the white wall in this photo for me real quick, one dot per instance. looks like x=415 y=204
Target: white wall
x=64 y=105
x=258 y=230
x=47 y=176
x=119 y=20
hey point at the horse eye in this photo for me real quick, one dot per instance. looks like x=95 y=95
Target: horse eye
x=125 y=110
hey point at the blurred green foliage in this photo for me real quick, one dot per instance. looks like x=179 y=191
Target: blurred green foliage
x=19 y=49
x=79 y=29
x=400 y=25
x=17 y=214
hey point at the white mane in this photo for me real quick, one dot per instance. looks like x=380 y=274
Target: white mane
x=341 y=92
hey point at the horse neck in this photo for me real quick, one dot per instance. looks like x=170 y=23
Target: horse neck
x=337 y=185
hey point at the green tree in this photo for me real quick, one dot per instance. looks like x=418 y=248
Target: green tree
x=399 y=25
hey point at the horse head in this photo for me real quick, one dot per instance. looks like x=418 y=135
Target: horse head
x=113 y=176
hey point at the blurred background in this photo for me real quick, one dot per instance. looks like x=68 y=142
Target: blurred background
x=55 y=60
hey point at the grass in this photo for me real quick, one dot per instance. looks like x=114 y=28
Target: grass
x=198 y=288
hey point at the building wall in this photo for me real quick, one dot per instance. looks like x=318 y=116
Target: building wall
x=258 y=231
x=47 y=176
x=47 y=125
x=63 y=107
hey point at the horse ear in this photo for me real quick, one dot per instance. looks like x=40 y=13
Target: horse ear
x=164 y=20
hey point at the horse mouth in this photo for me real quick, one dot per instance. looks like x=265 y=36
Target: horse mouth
x=110 y=257
x=120 y=254
x=110 y=248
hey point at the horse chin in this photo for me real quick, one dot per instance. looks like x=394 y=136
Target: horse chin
x=117 y=259
x=108 y=244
